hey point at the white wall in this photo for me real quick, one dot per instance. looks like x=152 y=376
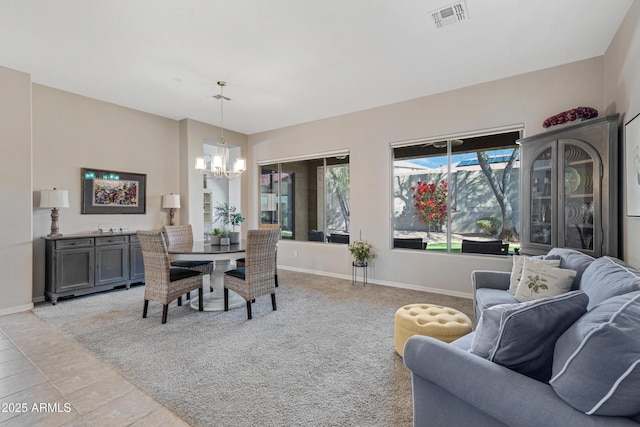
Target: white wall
x=15 y=191
x=622 y=93
x=527 y=99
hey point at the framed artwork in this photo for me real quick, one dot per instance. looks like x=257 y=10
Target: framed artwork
x=632 y=165
x=112 y=192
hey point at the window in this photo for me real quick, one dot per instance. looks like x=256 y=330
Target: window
x=309 y=198
x=451 y=194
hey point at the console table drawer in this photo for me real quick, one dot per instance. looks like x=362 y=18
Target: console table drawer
x=111 y=240
x=74 y=243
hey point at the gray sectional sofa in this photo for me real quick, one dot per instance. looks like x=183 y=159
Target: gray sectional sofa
x=572 y=360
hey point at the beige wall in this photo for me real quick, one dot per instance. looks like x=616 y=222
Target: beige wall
x=15 y=191
x=622 y=94
x=527 y=99
x=71 y=132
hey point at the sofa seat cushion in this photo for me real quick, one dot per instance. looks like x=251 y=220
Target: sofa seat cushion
x=488 y=297
x=596 y=365
x=572 y=260
x=607 y=277
x=522 y=336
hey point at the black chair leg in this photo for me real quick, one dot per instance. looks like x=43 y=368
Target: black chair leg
x=188 y=295
x=273 y=301
x=200 y=302
x=165 y=308
x=276 y=277
x=179 y=301
x=249 y=310
x=144 y=311
x=226 y=299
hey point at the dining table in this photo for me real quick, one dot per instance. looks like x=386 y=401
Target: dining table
x=223 y=257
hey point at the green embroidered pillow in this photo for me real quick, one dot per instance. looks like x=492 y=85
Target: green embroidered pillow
x=540 y=280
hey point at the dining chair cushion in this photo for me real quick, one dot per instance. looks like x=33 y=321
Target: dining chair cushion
x=185 y=263
x=238 y=273
x=181 y=273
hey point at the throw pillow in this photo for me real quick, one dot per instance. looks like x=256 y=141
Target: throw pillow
x=596 y=365
x=543 y=281
x=518 y=265
x=522 y=336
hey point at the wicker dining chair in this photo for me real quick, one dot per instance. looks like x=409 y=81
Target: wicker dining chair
x=240 y=261
x=257 y=277
x=180 y=237
x=164 y=284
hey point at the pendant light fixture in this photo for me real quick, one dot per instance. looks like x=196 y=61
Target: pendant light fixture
x=218 y=167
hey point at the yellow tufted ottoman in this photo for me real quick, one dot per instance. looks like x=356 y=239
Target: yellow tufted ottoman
x=436 y=321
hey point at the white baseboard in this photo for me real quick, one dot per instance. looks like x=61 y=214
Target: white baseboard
x=383 y=283
x=16 y=309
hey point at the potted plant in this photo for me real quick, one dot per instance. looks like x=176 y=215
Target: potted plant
x=362 y=251
x=227 y=215
x=224 y=238
x=215 y=237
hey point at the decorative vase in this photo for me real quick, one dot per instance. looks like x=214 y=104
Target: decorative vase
x=360 y=263
x=215 y=240
x=224 y=241
x=234 y=237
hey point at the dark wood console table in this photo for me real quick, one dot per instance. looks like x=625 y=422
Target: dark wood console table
x=86 y=263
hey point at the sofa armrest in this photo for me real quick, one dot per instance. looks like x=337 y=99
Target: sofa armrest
x=490 y=279
x=505 y=395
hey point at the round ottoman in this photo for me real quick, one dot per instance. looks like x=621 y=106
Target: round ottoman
x=443 y=323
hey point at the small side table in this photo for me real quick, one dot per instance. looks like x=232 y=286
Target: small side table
x=354 y=271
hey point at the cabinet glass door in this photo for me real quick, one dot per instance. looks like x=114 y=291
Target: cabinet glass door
x=578 y=177
x=541 y=225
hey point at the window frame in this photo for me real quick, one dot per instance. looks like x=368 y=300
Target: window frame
x=323 y=156
x=519 y=128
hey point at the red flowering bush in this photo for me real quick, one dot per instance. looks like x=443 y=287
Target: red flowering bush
x=570 y=115
x=430 y=202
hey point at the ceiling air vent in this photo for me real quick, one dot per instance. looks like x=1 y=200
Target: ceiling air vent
x=450 y=15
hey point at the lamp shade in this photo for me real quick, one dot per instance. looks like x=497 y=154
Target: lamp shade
x=171 y=201
x=54 y=198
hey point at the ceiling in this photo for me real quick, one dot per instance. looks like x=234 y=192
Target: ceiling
x=289 y=61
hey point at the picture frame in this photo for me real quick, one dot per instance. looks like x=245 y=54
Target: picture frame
x=632 y=165
x=113 y=192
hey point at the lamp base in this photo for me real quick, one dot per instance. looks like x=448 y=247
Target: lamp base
x=55 y=231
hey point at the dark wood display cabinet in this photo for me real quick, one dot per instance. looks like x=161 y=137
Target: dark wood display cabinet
x=569 y=188
x=83 y=264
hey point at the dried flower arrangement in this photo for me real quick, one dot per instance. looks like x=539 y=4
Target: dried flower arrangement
x=570 y=115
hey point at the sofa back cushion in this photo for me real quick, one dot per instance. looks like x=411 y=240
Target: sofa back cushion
x=573 y=260
x=596 y=362
x=607 y=277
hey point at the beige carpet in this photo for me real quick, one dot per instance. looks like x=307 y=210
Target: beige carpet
x=325 y=357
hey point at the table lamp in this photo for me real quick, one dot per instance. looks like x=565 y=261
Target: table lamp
x=54 y=199
x=171 y=202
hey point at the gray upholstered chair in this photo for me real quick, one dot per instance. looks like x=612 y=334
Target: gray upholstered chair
x=164 y=284
x=180 y=237
x=257 y=277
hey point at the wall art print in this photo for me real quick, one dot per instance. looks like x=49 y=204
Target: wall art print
x=632 y=165
x=113 y=192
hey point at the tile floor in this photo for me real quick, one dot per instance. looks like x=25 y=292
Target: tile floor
x=46 y=379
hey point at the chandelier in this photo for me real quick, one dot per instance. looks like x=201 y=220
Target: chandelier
x=218 y=168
